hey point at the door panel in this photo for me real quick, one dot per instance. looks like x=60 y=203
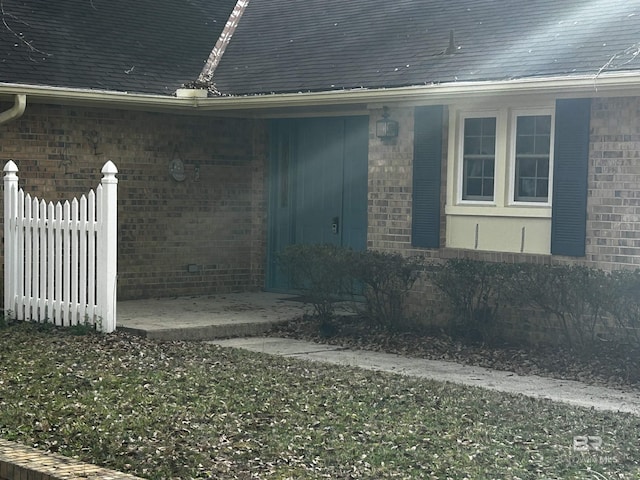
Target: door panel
x=319 y=181
x=355 y=183
x=318 y=186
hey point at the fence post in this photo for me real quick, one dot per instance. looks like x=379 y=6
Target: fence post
x=108 y=249
x=10 y=206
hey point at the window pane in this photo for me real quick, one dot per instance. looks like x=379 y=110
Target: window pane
x=527 y=187
x=489 y=145
x=543 y=168
x=526 y=125
x=524 y=144
x=472 y=145
x=527 y=167
x=488 y=168
x=542 y=145
x=489 y=126
x=543 y=188
x=543 y=124
x=487 y=187
x=474 y=187
x=474 y=168
x=473 y=126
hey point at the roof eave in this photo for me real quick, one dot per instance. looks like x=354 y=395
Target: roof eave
x=609 y=84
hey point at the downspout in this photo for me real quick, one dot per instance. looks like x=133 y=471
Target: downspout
x=19 y=105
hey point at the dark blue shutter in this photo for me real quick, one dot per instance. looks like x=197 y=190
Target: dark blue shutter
x=570 y=170
x=427 y=161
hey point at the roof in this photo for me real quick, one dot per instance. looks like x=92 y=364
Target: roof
x=281 y=46
x=316 y=45
x=141 y=46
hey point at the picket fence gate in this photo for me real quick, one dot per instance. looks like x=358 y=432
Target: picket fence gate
x=60 y=261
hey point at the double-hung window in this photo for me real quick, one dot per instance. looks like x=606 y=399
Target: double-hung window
x=506 y=158
x=532 y=158
x=479 y=158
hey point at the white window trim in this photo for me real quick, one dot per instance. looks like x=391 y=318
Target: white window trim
x=503 y=204
x=513 y=115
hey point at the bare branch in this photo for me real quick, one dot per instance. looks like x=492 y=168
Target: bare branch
x=3 y=19
x=633 y=51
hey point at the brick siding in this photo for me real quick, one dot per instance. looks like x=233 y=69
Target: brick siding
x=216 y=223
x=613 y=221
x=613 y=206
x=613 y=209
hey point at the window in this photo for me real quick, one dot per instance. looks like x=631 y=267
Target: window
x=532 y=158
x=517 y=175
x=504 y=158
x=479 y=156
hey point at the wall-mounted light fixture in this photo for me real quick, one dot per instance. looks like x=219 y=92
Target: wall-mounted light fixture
x=386 y=129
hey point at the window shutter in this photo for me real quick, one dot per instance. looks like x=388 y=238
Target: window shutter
x=427 y=161
x=570 y=171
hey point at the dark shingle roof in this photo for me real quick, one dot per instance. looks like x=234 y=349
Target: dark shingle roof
x=142 y=46
x=154 y=46
x=313 y=45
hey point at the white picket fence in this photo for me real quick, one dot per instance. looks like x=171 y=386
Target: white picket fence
x=60 y=261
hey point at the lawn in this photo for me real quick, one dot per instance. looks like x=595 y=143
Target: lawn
x=186 y=410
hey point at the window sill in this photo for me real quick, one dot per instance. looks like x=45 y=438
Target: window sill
x=489 y=210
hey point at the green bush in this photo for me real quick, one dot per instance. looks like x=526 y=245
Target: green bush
x=475 y=291
x=624 y=306
x=576 y=296
x=320 y=273
x=325 y=274
x=579 y=299
x=386 y=279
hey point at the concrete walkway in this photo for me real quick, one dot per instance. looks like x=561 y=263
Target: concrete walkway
x=246 y=315
x=565 y=391
x=208 y=317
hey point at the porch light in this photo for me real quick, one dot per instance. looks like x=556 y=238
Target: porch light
x=386 y=128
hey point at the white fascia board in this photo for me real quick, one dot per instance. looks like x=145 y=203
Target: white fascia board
x=612 y=84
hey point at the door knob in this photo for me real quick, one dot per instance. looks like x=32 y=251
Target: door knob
x=335 y=225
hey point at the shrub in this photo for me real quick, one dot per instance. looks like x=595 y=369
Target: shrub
x=624 y=306
x=327 y=273
x=320 y=273
x=475 y=291
x=386 y=279
x=576 y=296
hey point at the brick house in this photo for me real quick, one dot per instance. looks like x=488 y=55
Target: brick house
x=518 y=129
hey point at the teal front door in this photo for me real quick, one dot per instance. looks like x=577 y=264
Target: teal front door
x=318 y=186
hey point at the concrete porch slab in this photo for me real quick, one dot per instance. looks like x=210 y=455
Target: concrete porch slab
x=208 y=317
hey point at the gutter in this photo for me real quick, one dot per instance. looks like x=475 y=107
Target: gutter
x=603 y=85
x=19 y=105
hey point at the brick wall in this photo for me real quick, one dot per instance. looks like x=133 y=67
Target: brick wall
x=613 y=210
x=390 y=186
x=613 y=226
x=215 y=222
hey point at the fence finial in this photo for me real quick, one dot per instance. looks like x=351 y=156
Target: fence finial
x=10 y=167
x=109 y=170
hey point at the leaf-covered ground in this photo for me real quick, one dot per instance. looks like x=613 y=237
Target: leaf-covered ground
x=608 y=365
x=189 y=410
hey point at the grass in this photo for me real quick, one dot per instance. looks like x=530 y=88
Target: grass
x=181 y=410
